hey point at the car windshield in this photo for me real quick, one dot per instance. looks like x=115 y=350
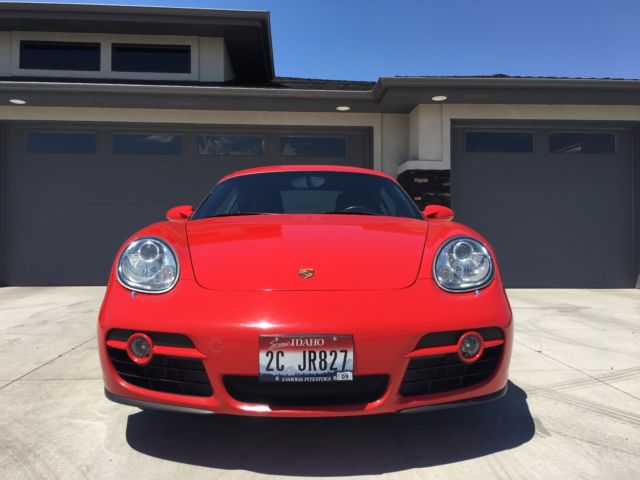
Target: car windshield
x=308 y=192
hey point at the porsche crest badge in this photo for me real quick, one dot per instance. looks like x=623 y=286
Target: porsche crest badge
x=306 y=273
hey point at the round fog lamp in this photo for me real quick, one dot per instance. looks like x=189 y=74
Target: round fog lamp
x=140 y=348
x=470 y=347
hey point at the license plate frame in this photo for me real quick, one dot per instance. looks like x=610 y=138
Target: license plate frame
x=298 y=358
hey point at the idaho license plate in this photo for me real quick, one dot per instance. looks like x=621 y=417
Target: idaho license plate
x=306 y=358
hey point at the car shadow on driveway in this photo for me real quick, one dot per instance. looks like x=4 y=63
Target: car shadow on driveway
x=335 y=446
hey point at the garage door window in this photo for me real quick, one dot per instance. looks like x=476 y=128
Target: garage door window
x=147 y=144
x=313 y=147
x=604 y=142
x=231 y=145
x=499 y=142
x=61 y=142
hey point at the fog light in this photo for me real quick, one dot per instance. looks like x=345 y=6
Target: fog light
x=140 y=348
x=470 y=347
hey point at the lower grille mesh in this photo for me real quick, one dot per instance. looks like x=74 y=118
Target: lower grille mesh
x=183 y=376
x=442 y=373
x=362 y=389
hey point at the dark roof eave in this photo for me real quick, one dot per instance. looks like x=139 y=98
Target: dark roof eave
x=385 y=83
x=180 y=89
x=184 y=97
x=128 y=9
x=389 y=95
x=402 y=94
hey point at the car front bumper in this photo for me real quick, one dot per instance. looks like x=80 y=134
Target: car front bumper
x=224 y=327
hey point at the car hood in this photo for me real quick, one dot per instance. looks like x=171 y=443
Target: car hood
x=345 y=252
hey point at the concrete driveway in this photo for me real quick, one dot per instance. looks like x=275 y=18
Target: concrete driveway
x=572 y=411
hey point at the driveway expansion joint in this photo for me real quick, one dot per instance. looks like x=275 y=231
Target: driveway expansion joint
x=93 y=337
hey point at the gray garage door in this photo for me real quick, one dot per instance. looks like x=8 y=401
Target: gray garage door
x=73 y=192
x=554 y=201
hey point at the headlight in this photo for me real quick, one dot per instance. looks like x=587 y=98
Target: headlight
x=148 y=265
x=463 y=264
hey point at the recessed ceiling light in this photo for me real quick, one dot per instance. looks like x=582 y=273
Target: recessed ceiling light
x=343 y=108
x=17 y=101
x=439 y=98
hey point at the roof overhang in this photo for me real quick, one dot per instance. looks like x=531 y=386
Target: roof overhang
x=390 y=95
x=183 y=97
x=247 y=34
x=403 y=93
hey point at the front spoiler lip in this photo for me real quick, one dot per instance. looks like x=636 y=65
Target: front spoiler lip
x=468 y=402
x=163 y=407
x=144 y=405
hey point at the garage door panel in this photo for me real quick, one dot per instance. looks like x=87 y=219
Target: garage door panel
x=45 y=248
x=554 y=220
x=64 y=216
x=534 y=254
x=542 y=183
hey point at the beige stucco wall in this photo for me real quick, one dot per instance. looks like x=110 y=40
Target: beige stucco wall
x=395 y=141
x=425 y=137
x=5 y=54
x=213 y=60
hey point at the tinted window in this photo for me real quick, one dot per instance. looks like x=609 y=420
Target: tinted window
x=60 y=56
x=499 y=142
x=306 y=193
x=147 y=143
x=151 y=58
x=61 y=142
x=233 y=145
x=313 y=147
x=582 y=143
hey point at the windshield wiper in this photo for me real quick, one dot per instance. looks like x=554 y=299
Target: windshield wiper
x=338 y=212
x=240 y=214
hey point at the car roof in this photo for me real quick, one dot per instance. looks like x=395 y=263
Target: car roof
x=306 y=168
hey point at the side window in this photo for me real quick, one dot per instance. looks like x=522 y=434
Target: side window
x=150 y=58
x=388 y=207
x=228 y=204
x=35 y=55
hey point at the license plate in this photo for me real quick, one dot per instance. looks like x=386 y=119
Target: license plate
x=306 y=358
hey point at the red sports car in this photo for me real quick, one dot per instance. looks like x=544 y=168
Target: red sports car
x=299 y=291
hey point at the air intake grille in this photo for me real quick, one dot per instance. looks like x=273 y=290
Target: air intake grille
x=362 y=389
x=439 y=339
x=442 y=373
x=184 y=376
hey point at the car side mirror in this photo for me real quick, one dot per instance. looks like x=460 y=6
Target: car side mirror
x=437 y=211
x=180 y=213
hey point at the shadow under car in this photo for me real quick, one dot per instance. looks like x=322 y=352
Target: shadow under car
x=366 y=445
